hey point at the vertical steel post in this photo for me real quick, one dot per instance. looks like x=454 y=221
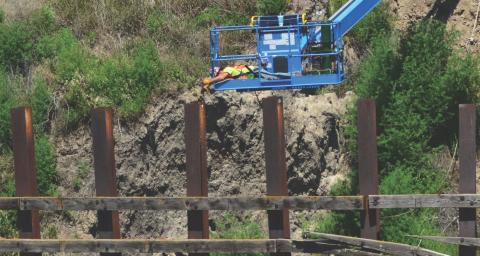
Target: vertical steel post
x=25 y=171
x=368 y=166
x=105 y=173
x=467 y=183
x=196 y=165
x=276 y=165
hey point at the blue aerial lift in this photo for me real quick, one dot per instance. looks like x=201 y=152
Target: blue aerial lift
x=292 y=52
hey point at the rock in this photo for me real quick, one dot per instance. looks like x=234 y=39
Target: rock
x=150 y=154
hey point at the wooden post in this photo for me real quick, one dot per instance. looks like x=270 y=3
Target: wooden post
x=276 y=165
x=368 y=166
x=467 y=182
x=196 y=165
x=25 y=171
x=105 y=173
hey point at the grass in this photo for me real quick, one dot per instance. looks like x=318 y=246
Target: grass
x=233 y=227
x=82 y=174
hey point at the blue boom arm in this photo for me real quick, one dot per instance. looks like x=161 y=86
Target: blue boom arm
x=352 y=13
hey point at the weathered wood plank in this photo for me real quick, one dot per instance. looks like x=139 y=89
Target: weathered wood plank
x=240 y=203
x=164 y=246
x=425 y=201
x=381 y=246
x=181 y=203
x=352 y=252
x=467 y=241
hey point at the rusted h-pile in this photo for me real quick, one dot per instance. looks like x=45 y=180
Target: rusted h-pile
x=277 y=203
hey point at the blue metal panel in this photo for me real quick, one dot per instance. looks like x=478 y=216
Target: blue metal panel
x=352 y=13
x=302 y=82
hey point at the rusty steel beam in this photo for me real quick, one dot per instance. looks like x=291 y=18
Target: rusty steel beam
x=276 y=165
x=28 y=223
x=105 y=173
x=368 y=166
x=467 y=182
x=196 y=167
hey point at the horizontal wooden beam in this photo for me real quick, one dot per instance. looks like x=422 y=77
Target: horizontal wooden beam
x=425 y=201
x=182 y=203
x=467 y=241
x=241 y=203
x=164 y=246
x=381 y=246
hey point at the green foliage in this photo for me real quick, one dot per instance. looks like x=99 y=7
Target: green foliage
x=232 y=227
x=126 y=80
x=7 y=218
x=2 y=16
x=213 y=16
x=16 y=44
x=43 y=22
x=82 y=174
x=7 y=224
x=41 y=102
x=126 y=17
x=17 y=40
x=50 y=232
x=272 y=7
x=417 y=81
x=7 y=101
x=335 y=5
x=377 y=23
x=398 y=224
x=46 y=166
x=156 y=22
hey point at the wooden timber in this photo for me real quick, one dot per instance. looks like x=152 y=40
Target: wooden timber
x=181 y=203
x=467 y=241
x=381 y=246
x=425 y=201
x=240 y=203
x=165 y=246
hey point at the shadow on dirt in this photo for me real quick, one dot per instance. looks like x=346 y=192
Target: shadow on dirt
x=442 y=10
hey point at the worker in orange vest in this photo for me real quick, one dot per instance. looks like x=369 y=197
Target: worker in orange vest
x=235 y=72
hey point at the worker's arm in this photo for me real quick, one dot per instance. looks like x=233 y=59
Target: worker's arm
x=207 y=82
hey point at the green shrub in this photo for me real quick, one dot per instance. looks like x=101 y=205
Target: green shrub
x=126 y=81
x=417 y=82
x=77 y=106
x=156 y=22
x=41 y=101
x=82 y=174
x=215 y=16
x=7 y=179
x=8 y=224
x=50 y=46
x=18 y=40
x=377 y=23
x=46 y=166
x=7 y=101
x=335 y=5
x=16 y=44
x=2 y=16
x=232 y=227
x=71 y=61
x=272 y=7
x=43 y=22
